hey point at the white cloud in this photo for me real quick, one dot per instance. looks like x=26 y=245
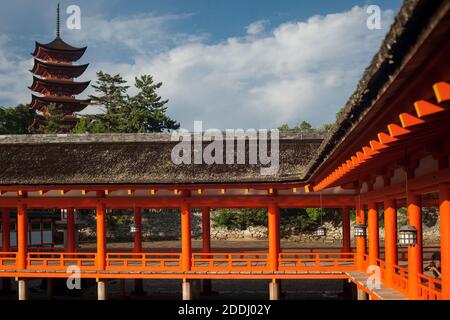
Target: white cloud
x=300 y=71
x=144 y=33
x=256 y=27
x=297 y=71
x=14 y=74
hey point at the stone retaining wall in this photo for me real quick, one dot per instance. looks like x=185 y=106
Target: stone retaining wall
x=165 y=225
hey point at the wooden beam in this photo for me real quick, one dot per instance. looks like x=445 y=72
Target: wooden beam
x=286 y=201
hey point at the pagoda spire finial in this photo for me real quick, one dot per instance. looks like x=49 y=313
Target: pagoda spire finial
x=58 y=29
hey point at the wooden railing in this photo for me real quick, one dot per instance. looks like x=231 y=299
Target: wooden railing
x=229 y=262
x=143 y=261
x=324 y=261
x=7 y=260
x=402 y=252
x=60 y=261
x=429 y=288
x=400 y=279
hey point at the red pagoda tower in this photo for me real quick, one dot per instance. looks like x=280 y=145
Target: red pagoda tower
x=53 y=79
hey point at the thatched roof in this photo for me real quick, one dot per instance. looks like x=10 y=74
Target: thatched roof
x=132 y=159
x=415 y=18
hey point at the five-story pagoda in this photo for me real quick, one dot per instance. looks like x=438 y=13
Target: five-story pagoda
x=53 y=80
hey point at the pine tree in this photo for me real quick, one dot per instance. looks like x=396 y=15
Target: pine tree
x=144 y=112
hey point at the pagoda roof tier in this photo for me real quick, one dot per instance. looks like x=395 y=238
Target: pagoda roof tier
x=42 y=68
x=67 y=87
x=58 y=50
x=69 y=104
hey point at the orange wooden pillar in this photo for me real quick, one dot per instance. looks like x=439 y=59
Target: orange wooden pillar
x=138 y=234
x=444 y=209
x=415 y=257
x=390 y=239
x=346 y=240
x=70 y=241
x=206 y=245
x=22 y=236
x=6 y=245
x=360 y=241
x=101 y=236
x=6 y=230
x=186 y=249
x=138 y=283
x=274 y=249
x=372 y=220
x=274 y=236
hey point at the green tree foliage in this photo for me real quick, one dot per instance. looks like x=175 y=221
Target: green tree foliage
x=305 y=126
x=16 y=120
x=239 y=219
x=296 y=219
x=53 y=121
x=143 y=112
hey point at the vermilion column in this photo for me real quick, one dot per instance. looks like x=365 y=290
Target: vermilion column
x=360 y=241
x=186 y=249
x=70 y=230
x=22 y=236
x=138 y=283
x=206 y=230
x=206 y=245
x=101 y=236
x=444 y=209
x=274 y=235
x=138 y=233
x=415 y=264
x=390 y=239
x=372 y=217
x=5 y=230
x=346 y=240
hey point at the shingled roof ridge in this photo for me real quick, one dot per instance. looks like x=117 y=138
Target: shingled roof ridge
x=124 y=137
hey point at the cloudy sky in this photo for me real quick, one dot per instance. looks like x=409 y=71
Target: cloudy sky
x=230 y=63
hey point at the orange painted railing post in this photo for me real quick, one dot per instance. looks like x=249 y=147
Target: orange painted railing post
x=22 y=236
x=415 y=255
x=206 y=230
x=101 y=236
x=138 y=233
x=444 y=209
x=372 y=219
x=390 y=239
x=70 y=230
x=274 y=235
x=346 y=240
x=186 y=249
x=5 y=230
x=360 y=241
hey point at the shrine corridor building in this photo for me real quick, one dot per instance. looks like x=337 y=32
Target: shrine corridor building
x=389 y=149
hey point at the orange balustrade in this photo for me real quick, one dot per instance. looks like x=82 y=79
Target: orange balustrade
x=400 y=279
x=143 y=261
x=230 y=262
x=8 y=260
x=429 y=288
x=323 y=261
x=60 y=261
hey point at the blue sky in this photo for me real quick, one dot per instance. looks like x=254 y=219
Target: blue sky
x=229 y=63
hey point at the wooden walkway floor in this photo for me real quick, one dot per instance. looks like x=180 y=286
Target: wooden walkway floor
x=383 y=293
